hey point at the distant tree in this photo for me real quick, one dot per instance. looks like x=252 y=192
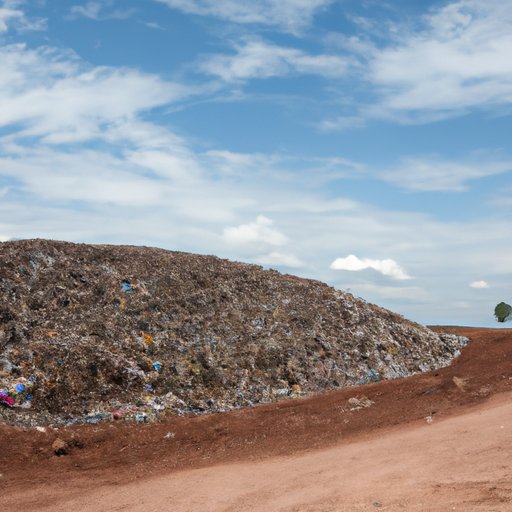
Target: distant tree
x=503 y=312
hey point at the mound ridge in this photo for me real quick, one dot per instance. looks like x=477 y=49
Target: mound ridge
x=91 y=332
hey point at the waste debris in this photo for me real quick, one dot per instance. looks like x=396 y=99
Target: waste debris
x=360 y=403
x=90 y=333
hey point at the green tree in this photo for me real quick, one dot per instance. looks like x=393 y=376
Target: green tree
x=503 y=312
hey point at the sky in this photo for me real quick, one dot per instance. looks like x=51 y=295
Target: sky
x=364 y=144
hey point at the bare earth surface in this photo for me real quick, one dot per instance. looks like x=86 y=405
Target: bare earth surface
x=437 y=441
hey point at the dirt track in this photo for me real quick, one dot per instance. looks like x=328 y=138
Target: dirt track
x=431 y=442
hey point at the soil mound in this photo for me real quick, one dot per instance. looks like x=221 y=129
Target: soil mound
x=91 y=332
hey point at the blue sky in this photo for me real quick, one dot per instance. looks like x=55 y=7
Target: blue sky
x=364 y=144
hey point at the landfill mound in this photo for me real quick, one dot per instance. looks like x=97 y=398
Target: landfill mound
x=92 y=332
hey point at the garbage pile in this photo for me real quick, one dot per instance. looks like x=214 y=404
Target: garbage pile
x=96 y=332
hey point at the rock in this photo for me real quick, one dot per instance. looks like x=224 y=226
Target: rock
x=460 y=383
x=59 y=447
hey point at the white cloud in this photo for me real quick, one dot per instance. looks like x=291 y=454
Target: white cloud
x=314 y=172
x=290 y=15
x=386 y=267
x=52 y=94
x=254 y=232
x=260 y=59
x=501 y=201
x=460 y=60
x=152 y=24
x=87 y=176
x=10 y=16
x=479 y=284
x=242 y=164
x=280 y=259
x=95 y=11
x=429 y=174
x=6 y=15
x=343 y=123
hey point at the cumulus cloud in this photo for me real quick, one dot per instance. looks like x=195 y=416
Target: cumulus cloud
x=280 y=259
x=254 y=232
x=290 y=15
x=386 y=267
x=479 y=284
x=260 y=59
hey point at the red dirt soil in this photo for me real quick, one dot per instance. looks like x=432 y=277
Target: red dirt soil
x=433 y=442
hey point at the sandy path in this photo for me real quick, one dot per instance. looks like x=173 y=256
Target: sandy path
x=461 y=463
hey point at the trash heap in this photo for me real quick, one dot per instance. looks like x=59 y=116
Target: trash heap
x=95 y=332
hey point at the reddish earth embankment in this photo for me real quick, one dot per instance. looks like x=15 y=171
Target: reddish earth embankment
x=429 y=442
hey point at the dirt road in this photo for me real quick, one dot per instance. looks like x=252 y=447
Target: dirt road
x=435 y=442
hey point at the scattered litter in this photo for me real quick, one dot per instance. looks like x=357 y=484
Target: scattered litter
x=6 y=399
x=147 y=339
x=429 y=391
x=360 y=403
x=141 y=416
x=170 y=435
x=429 y=419
x=41 y=429
x=127 y=287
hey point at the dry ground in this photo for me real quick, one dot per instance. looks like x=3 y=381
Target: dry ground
x=437 y=441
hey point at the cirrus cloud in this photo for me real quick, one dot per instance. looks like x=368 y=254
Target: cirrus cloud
x=459 y=60
x=93 y=10
x=53 y=94
x=260 y=59
x=431 y=174
x=289 y=15
x=11 y=16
